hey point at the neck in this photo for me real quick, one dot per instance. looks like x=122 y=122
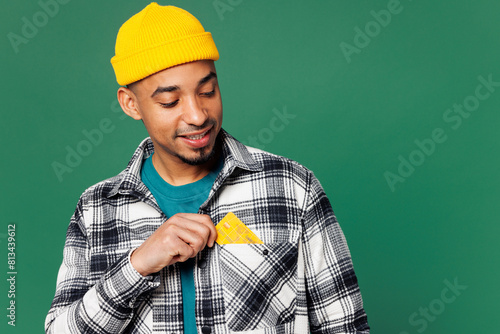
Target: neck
x=178 y=173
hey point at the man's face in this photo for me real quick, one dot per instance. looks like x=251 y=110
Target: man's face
x=181 y=108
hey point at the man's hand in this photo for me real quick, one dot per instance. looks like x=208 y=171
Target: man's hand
x=179 y=238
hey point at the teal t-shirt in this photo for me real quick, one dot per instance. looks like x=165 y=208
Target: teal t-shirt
x=176 y=199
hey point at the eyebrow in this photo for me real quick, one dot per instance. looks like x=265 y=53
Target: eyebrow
x=173 y=88
x=207 y=78
x=160 y=90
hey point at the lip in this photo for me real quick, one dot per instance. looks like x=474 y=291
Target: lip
x=196 y=133
x=197 y=143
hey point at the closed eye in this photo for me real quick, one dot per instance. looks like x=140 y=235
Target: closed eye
x=209 y=93
x=169 y=105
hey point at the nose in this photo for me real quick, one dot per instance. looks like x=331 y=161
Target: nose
x=194 y=112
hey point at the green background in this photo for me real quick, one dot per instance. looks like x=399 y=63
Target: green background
x=353 y=119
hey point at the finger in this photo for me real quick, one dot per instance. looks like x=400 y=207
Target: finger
x=198 y=223
x=183 y=252
x=206 y=221
x=213 y=234
x=196 y=237
x=201 y=224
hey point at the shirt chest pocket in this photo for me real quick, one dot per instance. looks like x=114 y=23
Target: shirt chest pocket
x=259 y=284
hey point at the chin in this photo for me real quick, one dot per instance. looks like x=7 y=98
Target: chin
x=201 y=158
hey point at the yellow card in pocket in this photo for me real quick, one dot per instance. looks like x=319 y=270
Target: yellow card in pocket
x=231 y=230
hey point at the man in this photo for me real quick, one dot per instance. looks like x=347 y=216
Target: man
x=140 y=253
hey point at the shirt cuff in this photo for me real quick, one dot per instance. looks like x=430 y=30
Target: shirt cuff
x=149 y=277
x=121 y=285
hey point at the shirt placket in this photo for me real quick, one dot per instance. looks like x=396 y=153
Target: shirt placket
x=210 y=313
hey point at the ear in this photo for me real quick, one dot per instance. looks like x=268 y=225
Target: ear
x=128 y=102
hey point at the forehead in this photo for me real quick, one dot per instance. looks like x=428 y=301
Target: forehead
x=183 y=76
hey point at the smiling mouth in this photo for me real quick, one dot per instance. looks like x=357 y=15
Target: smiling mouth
x=198 y=136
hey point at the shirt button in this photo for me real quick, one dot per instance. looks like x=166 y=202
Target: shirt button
x=265 y=252
x=206 y=330
x=202 y=264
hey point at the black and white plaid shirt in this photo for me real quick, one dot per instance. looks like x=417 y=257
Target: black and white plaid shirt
x=300 y=280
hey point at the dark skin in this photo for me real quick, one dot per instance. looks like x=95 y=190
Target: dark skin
x=181 y=109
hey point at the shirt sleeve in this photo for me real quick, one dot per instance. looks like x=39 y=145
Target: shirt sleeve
x=105 y=307
x=333 y=296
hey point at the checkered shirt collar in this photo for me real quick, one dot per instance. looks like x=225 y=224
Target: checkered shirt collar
x=235 y=155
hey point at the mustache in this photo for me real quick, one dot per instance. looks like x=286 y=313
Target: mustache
x=208 y=123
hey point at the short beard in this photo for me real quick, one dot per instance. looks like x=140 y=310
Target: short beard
x=202 y=159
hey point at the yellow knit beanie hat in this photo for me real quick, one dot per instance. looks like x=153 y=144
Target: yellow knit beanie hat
x=156 y=38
